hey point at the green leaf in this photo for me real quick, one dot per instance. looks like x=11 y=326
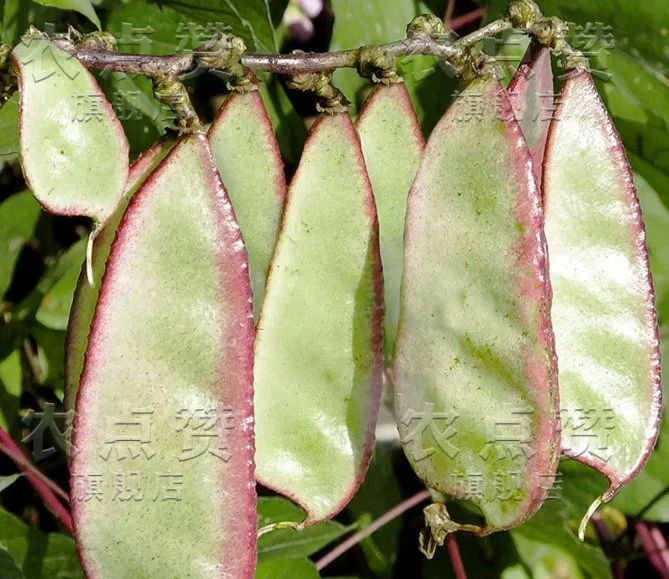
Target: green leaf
x=603 y=311
x=430 y=86
x=318 y=369
x=66 y=157
x=82 y=6
x=379 y=493
x=362 y=23
x=249 y=162
x=11 y=386
x=19 y=14
x=557 y=521
x=41 y=555
x=649 y=483
x=656 y=221
x=54 y=310
x=8 y=567
x=144 y=119
x=475 y=372
x=542 y=560
x=6 y=481
x=629 y=25
x=18 y=217
x=143 y=28
x=9 y=130
x=392 y=145
x=287 y=569
x=250 y=19
x=288 y=543
x=288 y=126
x=172 y=338
x=85 y=295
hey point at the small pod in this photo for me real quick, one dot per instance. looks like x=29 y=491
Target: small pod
x=392 y=144
x=531 y=95
x=72 y=147
x=162 y=457
x=86 y=295
x=475 y=370
x=249 y=162
x=318 y=354
x=606 y=332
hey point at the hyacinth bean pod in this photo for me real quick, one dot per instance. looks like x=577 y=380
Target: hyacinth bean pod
x=163 y=431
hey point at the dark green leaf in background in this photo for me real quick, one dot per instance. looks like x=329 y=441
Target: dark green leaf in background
x=84 y=7
x=250 y=19
x=378 y=494
x=9 y=130
x=287 y=569
x=11 y=384
x=369 y=22
x=287 y=543
x=8 y=567
x=39 y=555
x=557 y=521
x=18 y=217
x=6 y=481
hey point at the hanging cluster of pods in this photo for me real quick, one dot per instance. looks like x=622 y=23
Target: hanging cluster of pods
x=218 y=347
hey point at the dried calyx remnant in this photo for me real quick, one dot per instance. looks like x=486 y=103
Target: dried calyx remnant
x=426 y=35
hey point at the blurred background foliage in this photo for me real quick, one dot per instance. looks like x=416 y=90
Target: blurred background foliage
x=41 y=256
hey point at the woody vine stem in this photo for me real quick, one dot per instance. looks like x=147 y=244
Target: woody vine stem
x=426 y=35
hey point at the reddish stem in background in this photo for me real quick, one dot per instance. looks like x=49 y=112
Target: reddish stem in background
x=44 y=487
x=654 y=546
x=456 y=560
x=384 y=519
x=466 y=19
x=449 y=11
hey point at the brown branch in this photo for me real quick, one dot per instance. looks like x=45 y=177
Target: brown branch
x=288 y=64
x=44 y=487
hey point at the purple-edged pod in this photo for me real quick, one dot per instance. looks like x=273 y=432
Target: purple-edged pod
x=475 y=372
x=531 y=95
x=318 y=355
x=249 y=162
x=606 y=332
x=392 y=144
x=86 y=295
x=162 y=474
x=72 y=148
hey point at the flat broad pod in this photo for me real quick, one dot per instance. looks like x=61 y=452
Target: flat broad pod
x=86 y=295
x=318 y=360
x=475 y=370
x=249 y=162
x=170 y=355
x=392 y=144
x=603 y=310
x=72 y=147
x=531 y=95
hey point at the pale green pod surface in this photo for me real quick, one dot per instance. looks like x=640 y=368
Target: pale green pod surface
x=72 y=147
x=606 y=332
x=531 y=95
x=392 y=144
x=86 y=295
x=475 y=370
x=162 y=481
x=318 y=345
x=249 y=162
